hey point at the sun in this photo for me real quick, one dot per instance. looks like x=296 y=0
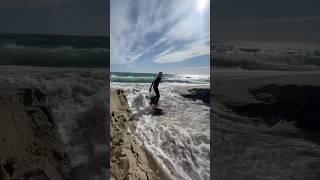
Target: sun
x=201 y=5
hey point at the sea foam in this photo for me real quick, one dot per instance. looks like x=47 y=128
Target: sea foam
x=179 y=140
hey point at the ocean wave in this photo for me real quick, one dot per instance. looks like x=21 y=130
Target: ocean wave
x=78 y=98
x=266 y=56
x=268 y=63
x=54 y=41
x=54 y=50
x=149 y=78
x=132 y=79
x=61 y=56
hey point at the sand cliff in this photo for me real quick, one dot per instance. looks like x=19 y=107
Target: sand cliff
x=31 y=147
x=128 y=159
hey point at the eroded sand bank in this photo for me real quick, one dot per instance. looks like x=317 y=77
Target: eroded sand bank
x=31 y=147
x=129 y=160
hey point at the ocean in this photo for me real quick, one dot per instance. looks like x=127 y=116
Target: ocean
x=72 y=70
x=54 y=50
x=178 y=140
x=129 y=77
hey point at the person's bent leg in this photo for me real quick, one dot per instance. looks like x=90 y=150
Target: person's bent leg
x=156 y=100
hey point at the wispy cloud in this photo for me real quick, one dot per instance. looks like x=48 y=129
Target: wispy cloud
x=187 y=52
x=164 y=31
x=204 y=70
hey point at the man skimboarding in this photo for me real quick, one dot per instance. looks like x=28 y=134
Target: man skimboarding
x=155 y=84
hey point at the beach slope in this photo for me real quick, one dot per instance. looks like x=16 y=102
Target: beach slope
x=31 y=147
x=128 y=159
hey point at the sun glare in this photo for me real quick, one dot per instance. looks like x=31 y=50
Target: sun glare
x=201 y=5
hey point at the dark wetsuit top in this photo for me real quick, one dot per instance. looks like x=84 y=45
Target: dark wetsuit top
x=156 y=82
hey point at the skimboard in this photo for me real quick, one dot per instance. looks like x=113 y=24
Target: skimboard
x=157 y=110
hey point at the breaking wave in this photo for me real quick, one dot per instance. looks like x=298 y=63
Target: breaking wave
x=62 y=56
x=78 y=99
x=54 y=50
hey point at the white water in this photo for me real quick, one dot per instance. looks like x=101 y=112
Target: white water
x=244 y=151
x=179 y=140
x=78 y=100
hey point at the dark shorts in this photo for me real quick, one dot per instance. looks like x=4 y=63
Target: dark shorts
x=156 y=90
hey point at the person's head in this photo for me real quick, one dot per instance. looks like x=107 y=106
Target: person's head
x=160 y=74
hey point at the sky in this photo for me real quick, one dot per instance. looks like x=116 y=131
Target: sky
x=169 y=35
x=267 y=20
x=77 y=17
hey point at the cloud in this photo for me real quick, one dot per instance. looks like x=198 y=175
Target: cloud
x=190 y=51
x=158 y=31
x=204 y=70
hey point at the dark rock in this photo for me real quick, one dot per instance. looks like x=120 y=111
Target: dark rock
x=293 y=103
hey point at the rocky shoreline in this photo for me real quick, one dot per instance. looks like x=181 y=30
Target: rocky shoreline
x=128 y=159
x=265 y=122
